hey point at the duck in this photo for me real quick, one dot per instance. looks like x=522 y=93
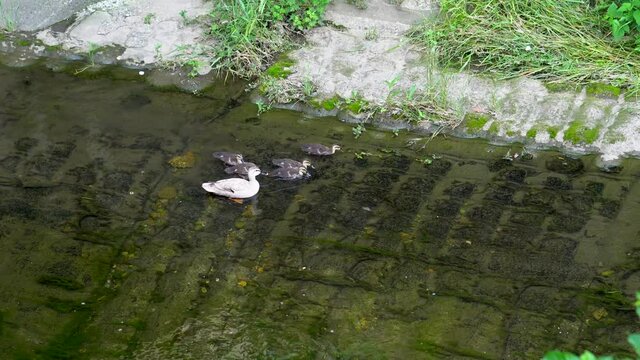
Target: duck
x=229 y=158
x=289 y=173
x=319 y=149
x=240 y=169
x=236 y=188
x=288 y=163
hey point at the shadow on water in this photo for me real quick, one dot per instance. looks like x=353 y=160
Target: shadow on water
x=107 y=251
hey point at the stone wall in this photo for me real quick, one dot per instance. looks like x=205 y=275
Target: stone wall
x=30 y=15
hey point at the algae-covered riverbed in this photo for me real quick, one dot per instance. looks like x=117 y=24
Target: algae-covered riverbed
x=109 y=252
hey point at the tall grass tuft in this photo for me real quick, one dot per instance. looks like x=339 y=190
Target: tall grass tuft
x=562 y=41
x=249 y=33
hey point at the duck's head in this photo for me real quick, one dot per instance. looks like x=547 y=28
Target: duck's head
x=239 y=158
x=253 y=172
x=336 y=148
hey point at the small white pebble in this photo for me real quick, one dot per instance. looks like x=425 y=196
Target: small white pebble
x=528 y=48
x=140 y=72
x=131 y=193
x=304 y=294
x=217 y=279
x=434 y=294
x=118 y=57
x=82 y=303
x=331 y=331
x=304 y=268
x=120 y=329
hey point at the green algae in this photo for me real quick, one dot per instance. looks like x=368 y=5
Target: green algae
x=553 y=131
x=494 y=128
x=531 y=133
x=281 y=68
x=577 y=133
x=475 y=121
x=560 y=87
x=603 y=90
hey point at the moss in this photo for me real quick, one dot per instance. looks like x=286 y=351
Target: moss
x=64 y=306
x=579 y=133
x=23 y=42
x=560 y=87
x=167 y=193
x=531 y=133
x=553 y=131
x=280 y=70
x=183 y=161
x=475 y=121
x=330 y=104
x=57 y=281
x=511 y=133
x=356 y=106
x=603 y=90
x=494 y=128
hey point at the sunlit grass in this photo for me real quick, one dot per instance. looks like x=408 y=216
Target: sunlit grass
x=562 y=41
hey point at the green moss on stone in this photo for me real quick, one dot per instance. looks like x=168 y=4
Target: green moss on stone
x=553 y=131
x=280 y=70
x=475 y=121
x=560 y=87
x=494 y=128
x=604 y=90
x=330 y=104
x=531 y=133
x=356 y=106
x=579 y=133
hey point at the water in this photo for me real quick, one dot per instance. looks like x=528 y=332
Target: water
x=108 y=252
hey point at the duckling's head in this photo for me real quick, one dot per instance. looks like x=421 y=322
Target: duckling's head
x=239 y=158
x=306 y=163
x=336 y=147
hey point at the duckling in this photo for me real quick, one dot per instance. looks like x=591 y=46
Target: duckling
x=288 y=163
x=236 y=188
x=240 y=169
x=229 y=158
x=289 y=173
x=319 y=149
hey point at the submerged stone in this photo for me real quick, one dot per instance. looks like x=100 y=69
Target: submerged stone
x=183 y=161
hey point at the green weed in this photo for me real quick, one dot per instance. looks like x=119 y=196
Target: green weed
x=149 y=18
x=551 y=40
x=358 y=130
x=7 y=17
x=248 y=32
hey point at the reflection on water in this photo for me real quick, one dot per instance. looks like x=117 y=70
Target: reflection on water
x=107 y=251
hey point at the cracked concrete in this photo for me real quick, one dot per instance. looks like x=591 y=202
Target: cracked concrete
x=345 y=59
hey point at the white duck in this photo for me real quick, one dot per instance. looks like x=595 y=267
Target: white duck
x=235 y=188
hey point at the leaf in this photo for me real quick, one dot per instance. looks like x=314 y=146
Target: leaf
x=636 y=17
x=612 y=11
x=587 y=355
x=624 y=8
x=634 y=340
x=560 y=355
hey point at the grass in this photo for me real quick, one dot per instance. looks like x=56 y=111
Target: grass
x=7 y=17
x=245 y=42
x=249 y=34
x=558 y=41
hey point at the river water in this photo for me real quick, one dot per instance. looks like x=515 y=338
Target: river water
x=440 y=250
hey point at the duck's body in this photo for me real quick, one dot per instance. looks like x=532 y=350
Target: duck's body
x=319 y=149
x=289 y=173
x=235 y=188
x=229 y=158
x=240 y=169
x=289 y=163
